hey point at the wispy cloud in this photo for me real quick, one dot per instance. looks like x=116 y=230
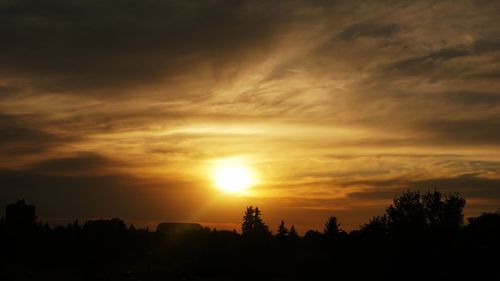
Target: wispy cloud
x=338 y=104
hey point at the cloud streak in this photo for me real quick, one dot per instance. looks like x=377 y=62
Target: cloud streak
x=338 y=104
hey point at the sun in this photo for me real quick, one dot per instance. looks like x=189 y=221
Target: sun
x=233 y=177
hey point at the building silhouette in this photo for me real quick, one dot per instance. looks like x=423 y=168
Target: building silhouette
x=20 y=216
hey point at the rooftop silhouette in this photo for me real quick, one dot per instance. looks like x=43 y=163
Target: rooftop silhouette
x=421 y=236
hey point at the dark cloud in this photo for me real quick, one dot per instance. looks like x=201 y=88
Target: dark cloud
x=19 y=136
x=12 y=130
x=469 y=98
x=391 y=155
x=58 y=194
x=471 y=186
x=6 y=91
x=368 y=29
x=72 y=196
x=78 y=163
x=485 y=46
x=471 y=132
x=95 y=95
x=426 y=64
x=432 y=63
x=88 y=45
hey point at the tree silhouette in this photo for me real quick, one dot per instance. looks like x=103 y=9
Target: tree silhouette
x=248 y=221
x=332 y=227
x=376 y=227
x=253 y=223
x=110 y=248
x=282 y=230
x=433 y=207
x=313 y=234
x=485 y=229
x=293 y=233
x=413 y=213
x=453 y=213
x=406 y=214
x=443 y=213
x=259 y=225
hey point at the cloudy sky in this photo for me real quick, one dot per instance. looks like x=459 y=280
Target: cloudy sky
x=122 y=108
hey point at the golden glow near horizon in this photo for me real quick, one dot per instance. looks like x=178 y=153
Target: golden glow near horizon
x=233 y=176
x=316 y=109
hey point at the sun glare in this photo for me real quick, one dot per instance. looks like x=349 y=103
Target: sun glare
x=233 y=177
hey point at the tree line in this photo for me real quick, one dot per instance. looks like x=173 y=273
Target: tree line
x=420 y=236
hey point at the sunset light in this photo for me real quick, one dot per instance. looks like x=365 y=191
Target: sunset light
x=221 y=140
x=233 y=178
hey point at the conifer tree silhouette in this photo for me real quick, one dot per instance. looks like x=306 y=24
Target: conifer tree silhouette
x=248 y=221
x=282 y=230
x=259 y=226
x=293 y=233
x=332 y=227
x=253 y=223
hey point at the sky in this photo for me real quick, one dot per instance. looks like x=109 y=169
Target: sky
x=123 y=108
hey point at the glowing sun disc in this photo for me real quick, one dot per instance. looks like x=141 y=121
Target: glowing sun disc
x=233 y=178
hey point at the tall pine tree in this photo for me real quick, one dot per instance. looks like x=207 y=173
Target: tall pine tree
x=248 y=221
x=282 y=230
x=332 y=227
x=253 y=223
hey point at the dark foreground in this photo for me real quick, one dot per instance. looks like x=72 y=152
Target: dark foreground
x=420 y=237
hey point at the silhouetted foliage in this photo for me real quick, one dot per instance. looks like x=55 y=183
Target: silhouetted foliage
x=412 y=214
x=293 y=233
x=376 y=227
x=253 y=225
x=485 y=229
x=421 y=236
x=406 y=215
x=332 y=227
x=313 y=234
x=248 y=221
x=282 y=230
x=443 y=212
